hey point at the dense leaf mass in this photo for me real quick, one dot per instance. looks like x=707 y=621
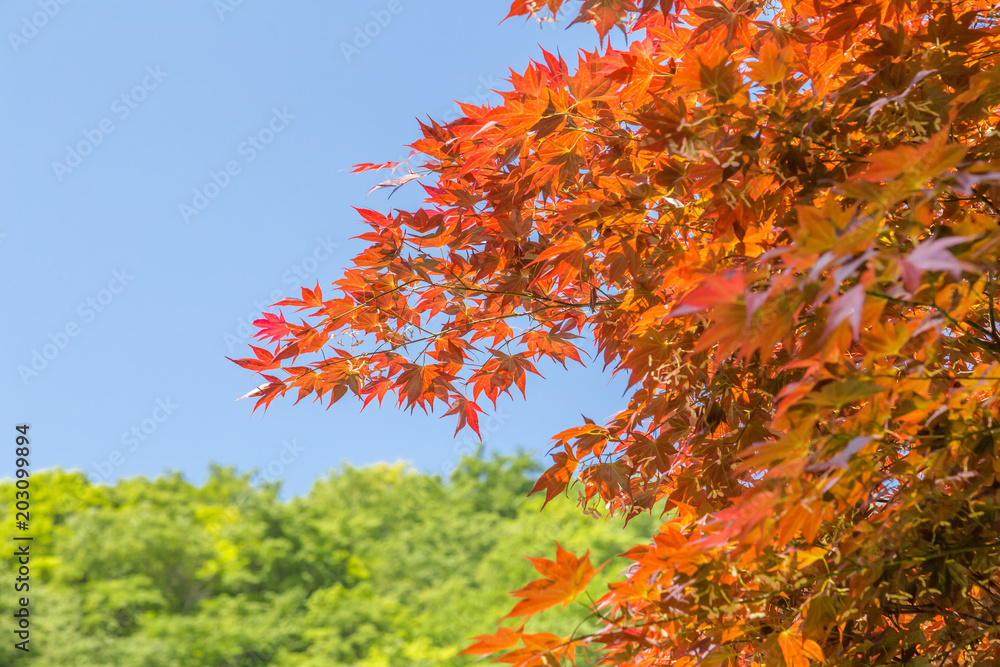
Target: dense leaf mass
x=779 y=221
x=376 y=566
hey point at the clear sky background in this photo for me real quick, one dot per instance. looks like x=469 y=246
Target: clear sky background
x=117 y=312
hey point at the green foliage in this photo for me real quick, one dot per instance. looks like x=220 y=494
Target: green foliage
x=375 y=566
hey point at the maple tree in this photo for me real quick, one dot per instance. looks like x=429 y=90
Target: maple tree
x=780 y=222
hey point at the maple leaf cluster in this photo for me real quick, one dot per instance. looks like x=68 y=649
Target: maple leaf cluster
x=779 y=221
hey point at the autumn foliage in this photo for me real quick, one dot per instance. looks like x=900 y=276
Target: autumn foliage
x=780 y=223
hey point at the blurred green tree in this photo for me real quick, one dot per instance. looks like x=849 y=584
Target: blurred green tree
x=380 y=565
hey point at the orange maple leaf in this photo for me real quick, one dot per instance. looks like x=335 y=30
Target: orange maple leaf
x=564 y=579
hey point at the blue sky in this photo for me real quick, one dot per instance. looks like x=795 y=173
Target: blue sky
x=169 y=168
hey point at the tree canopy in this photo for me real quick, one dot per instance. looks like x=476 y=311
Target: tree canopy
x=375 y=566
x=779 y=221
